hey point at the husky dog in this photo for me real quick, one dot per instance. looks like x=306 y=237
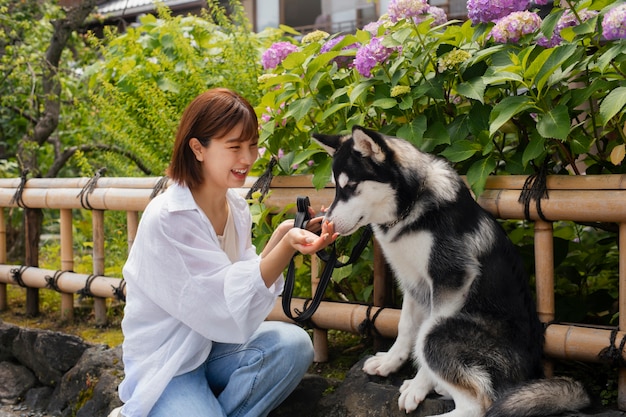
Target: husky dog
x=468 y=318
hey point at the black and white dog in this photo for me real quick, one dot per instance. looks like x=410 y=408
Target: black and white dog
x=468 y=317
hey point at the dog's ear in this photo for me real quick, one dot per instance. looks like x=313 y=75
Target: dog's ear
x=368 y=143
x=330 y=143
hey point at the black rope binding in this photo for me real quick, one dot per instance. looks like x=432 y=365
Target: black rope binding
x=368 y=325
x=88 y=189
x=612 y=354
x=263 y=182
x=16 y=274
x=86 y=290
x=118 y=291
x=535 y=188
x=52 y=282
x=18 y=197
x=159 y=187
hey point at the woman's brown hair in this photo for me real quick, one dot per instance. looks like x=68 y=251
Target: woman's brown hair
x=212 y=114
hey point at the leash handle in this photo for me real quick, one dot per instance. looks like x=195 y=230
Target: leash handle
x=331 y=262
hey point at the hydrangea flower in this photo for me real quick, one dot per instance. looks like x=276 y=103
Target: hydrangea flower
x=371 y=54
x=400 y=90
x=342 y=61
x=567 y=19
x=438 y=14
x=512 y=27
x=406 y=9
x=383 y=21
x=452 y=59
x=485 y=11
x=315 y=36
x=276 y=53
x=614 y=23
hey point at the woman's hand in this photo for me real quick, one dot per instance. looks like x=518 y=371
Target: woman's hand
x=307 y=242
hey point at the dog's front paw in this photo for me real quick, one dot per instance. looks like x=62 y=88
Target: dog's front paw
x=383 y=364
x=412 y=393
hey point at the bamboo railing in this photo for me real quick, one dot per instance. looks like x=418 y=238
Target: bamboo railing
x=579 y=198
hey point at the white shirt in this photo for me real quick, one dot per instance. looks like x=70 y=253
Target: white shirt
x=183 y=292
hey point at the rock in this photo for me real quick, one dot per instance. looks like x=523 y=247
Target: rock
x=37 y=399
x=363 y=395
x=8 y=333
x=48 y=354
x=306 y=396
x=90 y=387
x=15 y=381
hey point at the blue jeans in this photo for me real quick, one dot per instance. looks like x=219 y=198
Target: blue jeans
x=249 y=380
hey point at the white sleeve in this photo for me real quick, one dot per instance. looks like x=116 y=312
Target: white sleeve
x=179 y=265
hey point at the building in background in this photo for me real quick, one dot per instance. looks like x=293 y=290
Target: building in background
x=333 y=16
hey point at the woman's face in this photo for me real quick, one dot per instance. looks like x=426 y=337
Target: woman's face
x=227 y=159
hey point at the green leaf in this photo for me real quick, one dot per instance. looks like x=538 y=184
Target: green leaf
x=300 y=108
x=334 y=109
x=535 y=148
x=555 y=124
x=613 y=103
x=322 y=173
x=506 y=110
x=544 y=65
x=360 y=90
x=385 y=103
x=294 y=60
x=474 y=89
x=167 y=84
x=479 y=171
x=461 y=150
x=414 y=131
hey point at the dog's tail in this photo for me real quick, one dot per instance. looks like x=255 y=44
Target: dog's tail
x=543 y=397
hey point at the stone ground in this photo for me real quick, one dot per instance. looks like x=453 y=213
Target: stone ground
x=358 y=395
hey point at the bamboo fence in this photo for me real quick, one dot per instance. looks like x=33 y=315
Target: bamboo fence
x=579 y=198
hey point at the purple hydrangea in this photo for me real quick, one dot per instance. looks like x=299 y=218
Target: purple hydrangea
x=512 y=27
x=438 y=14
x=614 y=23
x=406 y=9
x=276 y=54
x=371 y=54
x=485 y=11
x=567 y=19
x=342 y=61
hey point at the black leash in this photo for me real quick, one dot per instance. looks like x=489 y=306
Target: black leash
x=331 y=262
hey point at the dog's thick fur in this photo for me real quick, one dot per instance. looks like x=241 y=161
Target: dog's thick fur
x=468 y=318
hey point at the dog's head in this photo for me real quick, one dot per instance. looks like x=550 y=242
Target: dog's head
x=370 y=178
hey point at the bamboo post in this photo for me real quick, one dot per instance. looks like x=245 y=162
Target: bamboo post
x=621 y=380
x=132 y=224
x=544 y=276
x=67 y=261
x=544 y=270
x=3 y=259
x=32 y=225
x=99 y=303
x=320 y=336
x=383 y=280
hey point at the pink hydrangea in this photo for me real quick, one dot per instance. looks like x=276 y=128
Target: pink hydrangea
x=512 y=27
x=438 y=14
x=614 y=23
x=568 y=18
x=485 y=11
x=276 y=53
x=371 y=54
x=406 y=9
x=342 y=61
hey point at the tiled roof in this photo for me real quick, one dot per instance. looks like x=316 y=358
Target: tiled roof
x=134 y=7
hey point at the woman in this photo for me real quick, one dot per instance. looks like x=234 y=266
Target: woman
x=195 y=340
